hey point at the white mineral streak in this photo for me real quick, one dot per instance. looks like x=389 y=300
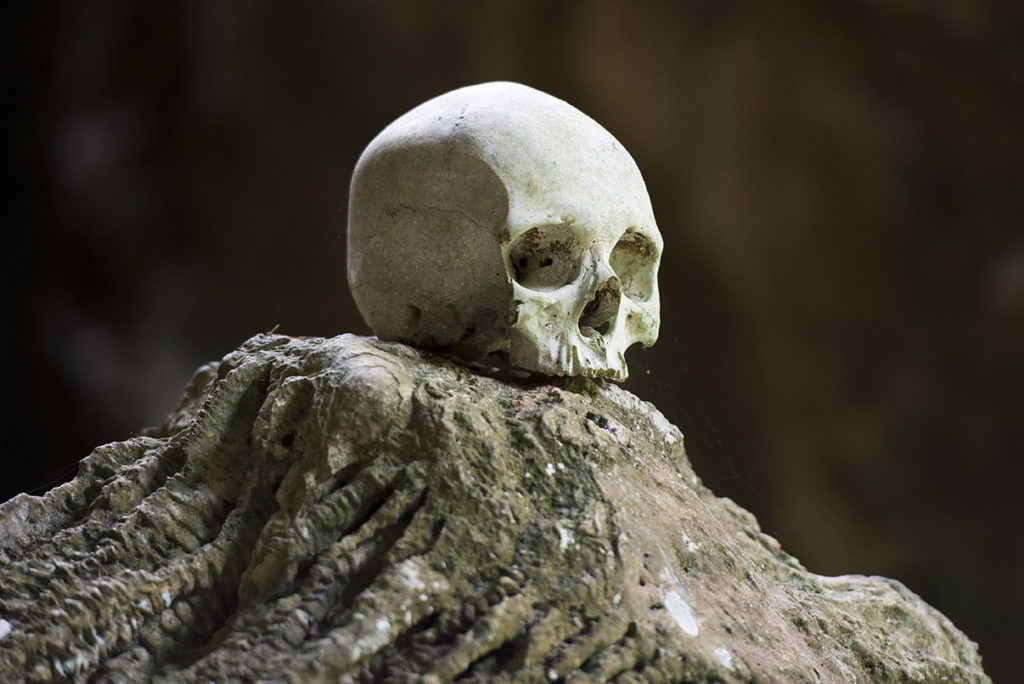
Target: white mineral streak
x=5 y=628
x=680 y=612
x=724 y=656
x=565 y=537
x=166 y=596
x=676 y=605
x=691 y=546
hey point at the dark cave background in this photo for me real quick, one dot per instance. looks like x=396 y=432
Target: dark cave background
x=840 y=187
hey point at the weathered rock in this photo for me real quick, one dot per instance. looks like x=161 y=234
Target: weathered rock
x=347 y=509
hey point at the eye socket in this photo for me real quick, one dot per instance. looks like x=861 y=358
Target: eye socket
x=546 y=257
x=633 y=259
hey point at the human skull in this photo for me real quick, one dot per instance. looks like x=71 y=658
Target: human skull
x=497 y=219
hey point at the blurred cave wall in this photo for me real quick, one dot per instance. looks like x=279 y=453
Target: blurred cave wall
x=840 y=187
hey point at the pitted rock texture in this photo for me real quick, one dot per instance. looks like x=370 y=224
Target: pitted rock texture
x=350 y=510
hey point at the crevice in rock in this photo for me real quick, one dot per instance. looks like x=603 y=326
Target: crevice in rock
x=383 y=540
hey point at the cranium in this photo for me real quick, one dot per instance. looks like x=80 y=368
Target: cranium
x=497 y=219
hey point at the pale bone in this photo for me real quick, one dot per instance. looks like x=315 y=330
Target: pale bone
x=497 y=219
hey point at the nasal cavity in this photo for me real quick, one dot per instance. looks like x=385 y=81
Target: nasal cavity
x=600 y=313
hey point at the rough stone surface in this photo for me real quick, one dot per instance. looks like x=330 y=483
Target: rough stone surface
x=352 y=510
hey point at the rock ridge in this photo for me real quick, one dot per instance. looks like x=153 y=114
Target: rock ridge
x=351 y=510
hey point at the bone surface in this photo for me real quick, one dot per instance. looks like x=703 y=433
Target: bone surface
x=499 y=220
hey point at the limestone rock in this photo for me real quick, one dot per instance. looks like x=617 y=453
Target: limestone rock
x=347 y=509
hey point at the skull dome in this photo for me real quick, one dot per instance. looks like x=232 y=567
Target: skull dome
x=497 y=219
